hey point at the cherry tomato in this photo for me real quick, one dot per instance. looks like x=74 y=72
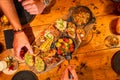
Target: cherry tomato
x=66 y=40
x=63 y=46
x=59 y=51
x=11 y=67
x=72 y=45
x=71 y=49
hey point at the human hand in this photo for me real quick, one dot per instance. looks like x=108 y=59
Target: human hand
x=20 y=41
x=70 y=69
x=20 y=0
x=33 y=6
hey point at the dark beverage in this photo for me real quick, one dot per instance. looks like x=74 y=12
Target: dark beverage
x=115 y=26
x=1 y=47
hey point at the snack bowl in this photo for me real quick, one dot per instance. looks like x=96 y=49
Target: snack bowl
x=84 y=36
x=12 y=65
x=80 y=15
x=64 y=45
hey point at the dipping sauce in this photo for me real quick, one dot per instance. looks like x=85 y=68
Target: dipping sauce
x=3 y=65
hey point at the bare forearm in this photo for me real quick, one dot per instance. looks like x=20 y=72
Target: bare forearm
x=9 y=10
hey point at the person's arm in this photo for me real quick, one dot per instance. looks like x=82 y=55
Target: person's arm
x=20 y=39
x=70 y=70
x=35 y=6
x=9 y=10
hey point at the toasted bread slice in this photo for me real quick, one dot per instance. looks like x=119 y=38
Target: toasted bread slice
x=71 y=29
x=29 y=59
x=39 y=64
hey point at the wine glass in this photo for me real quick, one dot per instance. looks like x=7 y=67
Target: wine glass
x=111 y=41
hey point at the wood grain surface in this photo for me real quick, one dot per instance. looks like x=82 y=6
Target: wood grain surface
x=93 y=60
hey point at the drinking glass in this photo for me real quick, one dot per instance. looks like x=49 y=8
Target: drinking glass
x=111 y=41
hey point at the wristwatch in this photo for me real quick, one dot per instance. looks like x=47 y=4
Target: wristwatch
x=46 y=2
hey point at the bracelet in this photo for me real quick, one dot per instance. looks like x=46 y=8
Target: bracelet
x=18 y=30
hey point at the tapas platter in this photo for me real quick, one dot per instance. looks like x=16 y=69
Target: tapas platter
x=61 y=38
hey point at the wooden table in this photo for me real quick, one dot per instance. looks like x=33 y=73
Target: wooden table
x=92 y=61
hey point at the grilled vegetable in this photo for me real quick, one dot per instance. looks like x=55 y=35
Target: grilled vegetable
x=81 y=15
x=64 y=46
x=46 y=45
